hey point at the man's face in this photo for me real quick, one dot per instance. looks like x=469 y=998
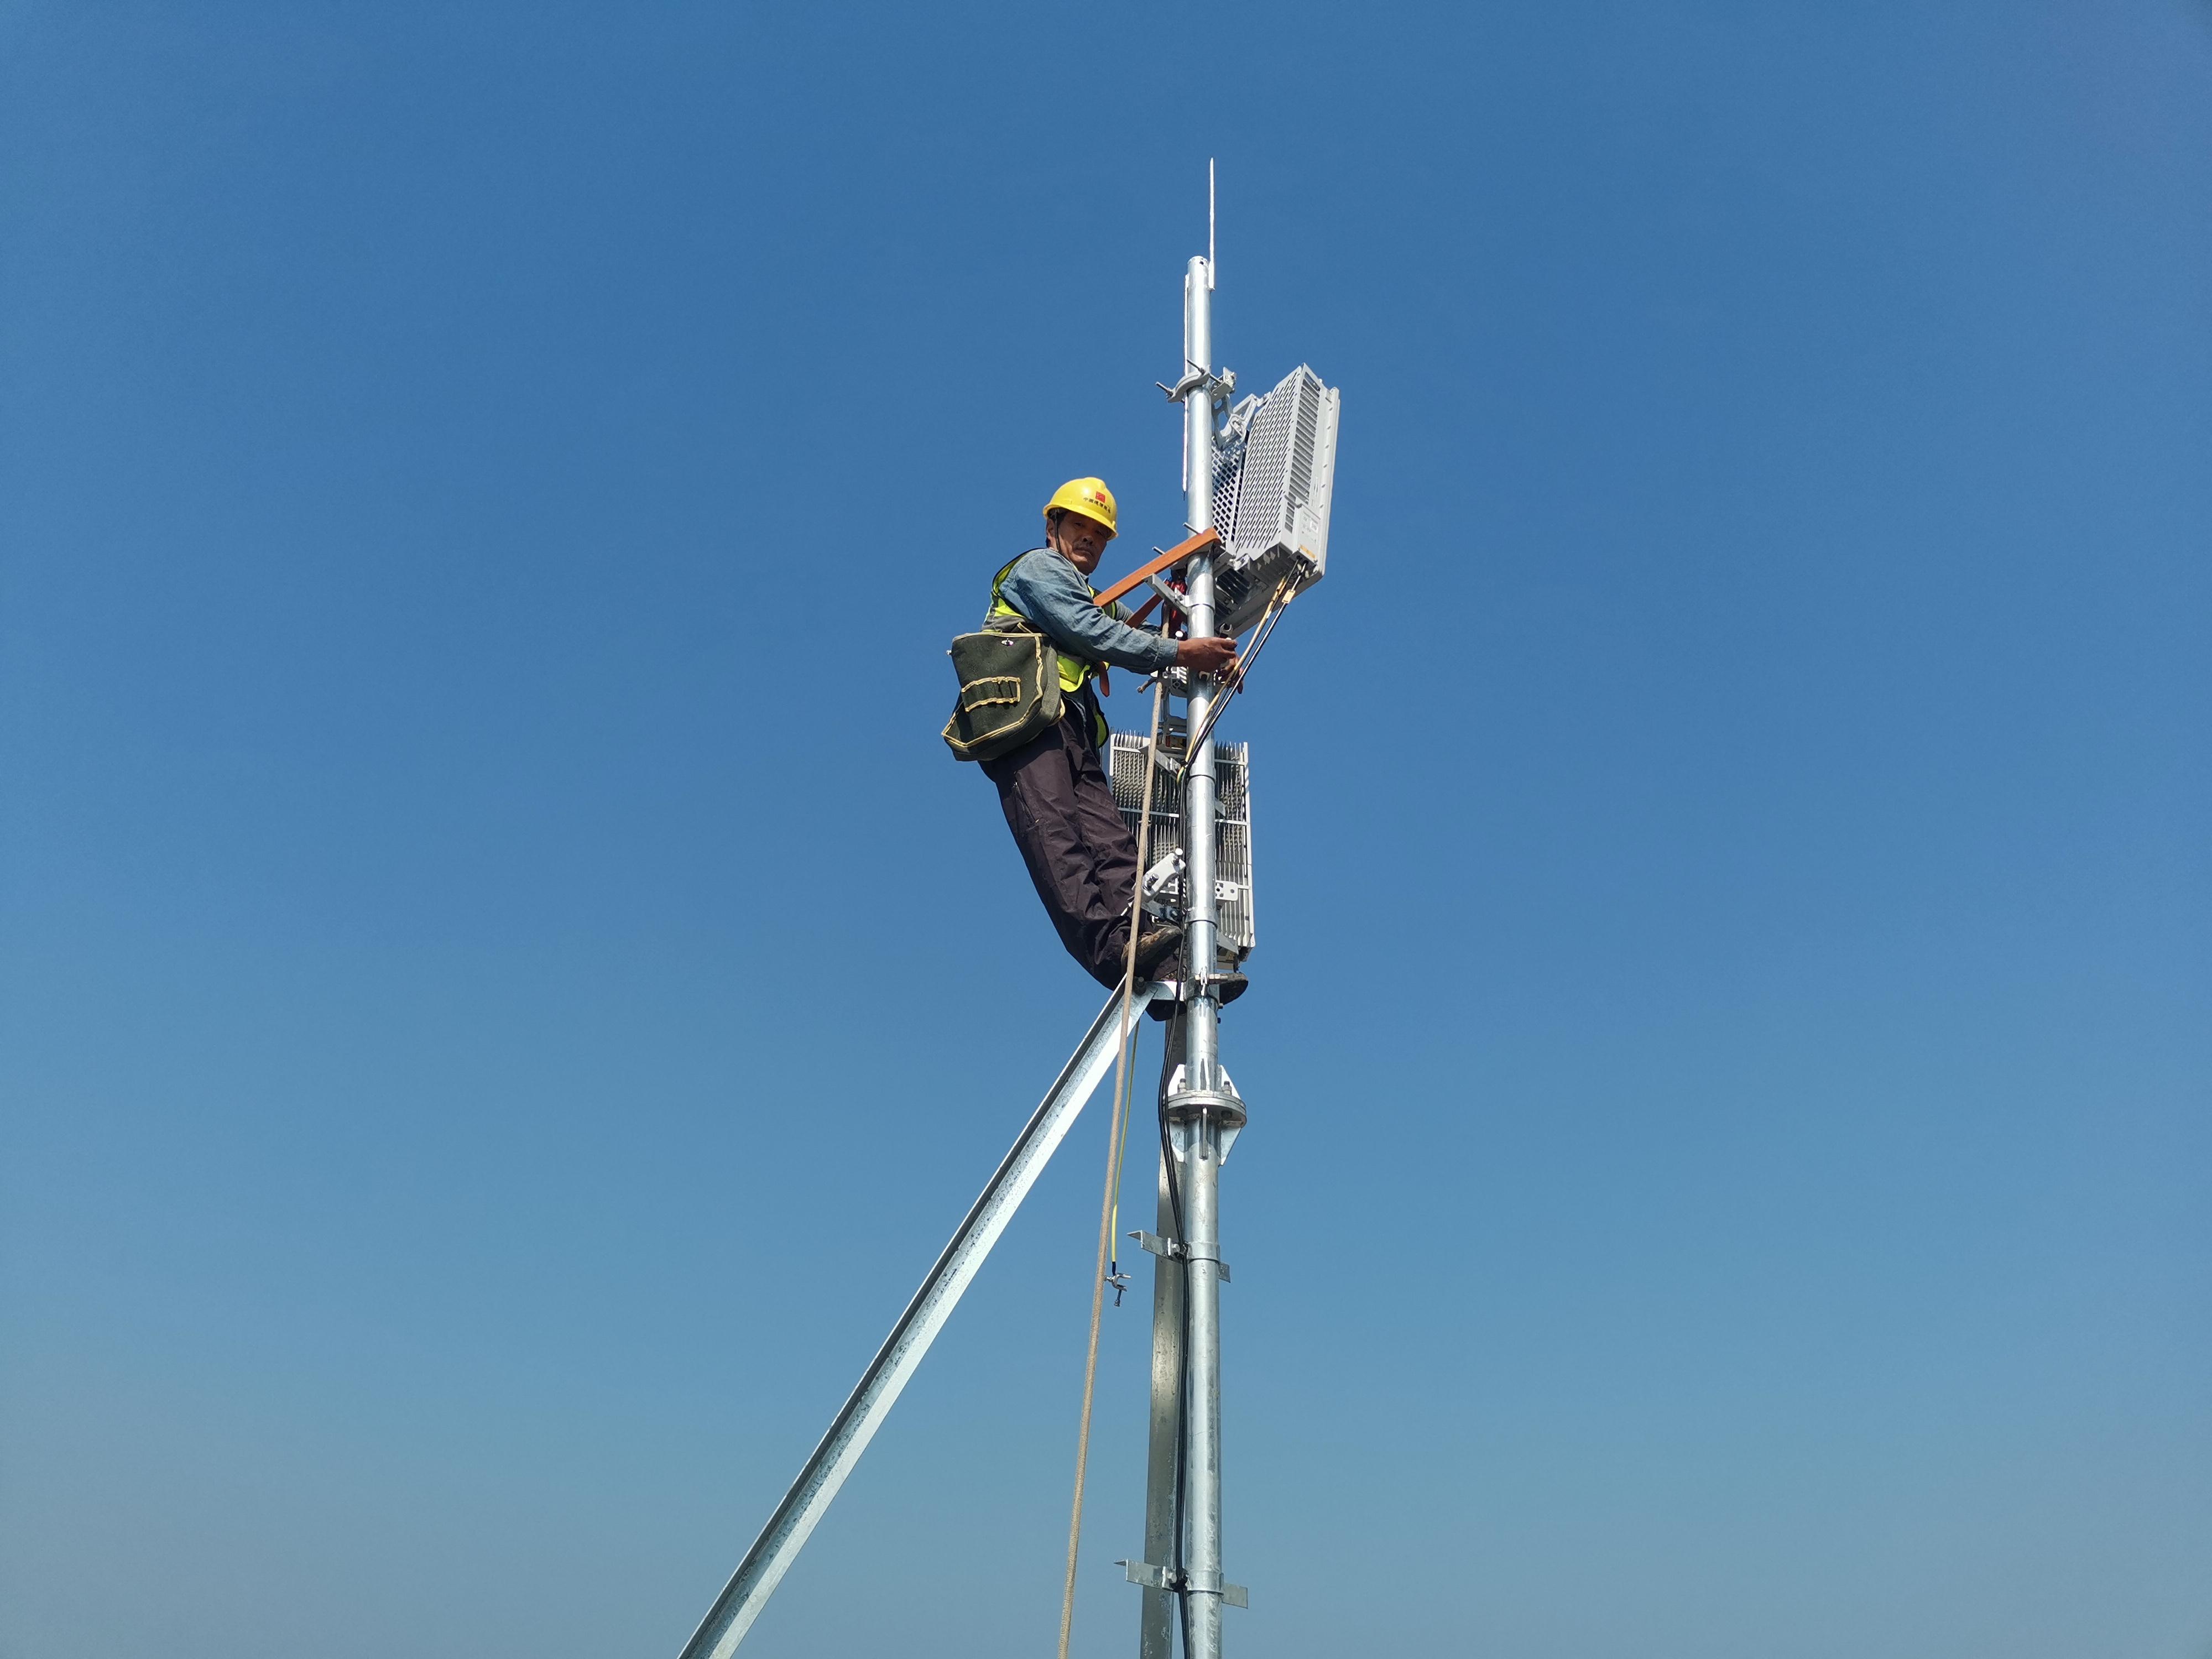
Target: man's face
x=1082 y=540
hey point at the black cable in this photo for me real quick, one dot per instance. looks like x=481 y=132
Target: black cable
x=1275 y=610
x=1182 y=1393
x=1175 y=1186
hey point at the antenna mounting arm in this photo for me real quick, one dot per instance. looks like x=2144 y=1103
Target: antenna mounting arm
x=1218 y=388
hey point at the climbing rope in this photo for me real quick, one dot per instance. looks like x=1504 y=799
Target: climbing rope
x=1110 y=1208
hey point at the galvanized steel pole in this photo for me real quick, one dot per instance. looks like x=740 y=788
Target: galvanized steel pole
x=1199 y=786
x=1197 y=1128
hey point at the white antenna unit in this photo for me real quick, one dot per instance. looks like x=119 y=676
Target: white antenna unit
x=1232 y=857
x=1275 y=470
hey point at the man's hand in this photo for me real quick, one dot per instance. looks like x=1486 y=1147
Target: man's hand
x=1206 y=656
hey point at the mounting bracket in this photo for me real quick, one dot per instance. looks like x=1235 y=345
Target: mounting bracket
x=1175 y=1250
x=1181 y=1583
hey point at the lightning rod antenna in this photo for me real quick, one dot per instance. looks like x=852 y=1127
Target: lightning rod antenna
x=1209 y=224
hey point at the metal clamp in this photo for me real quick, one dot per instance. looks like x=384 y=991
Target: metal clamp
x=1175 y=1250
x=1164 y=874
x=1183 y=1584
x=1218 y=388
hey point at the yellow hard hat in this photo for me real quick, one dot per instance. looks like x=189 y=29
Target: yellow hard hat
x=1088 y=496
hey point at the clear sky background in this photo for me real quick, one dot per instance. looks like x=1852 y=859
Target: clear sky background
x=505 y=993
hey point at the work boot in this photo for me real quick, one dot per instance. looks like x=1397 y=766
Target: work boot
x=1155 y=945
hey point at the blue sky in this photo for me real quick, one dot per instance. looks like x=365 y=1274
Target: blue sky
x=505 y=993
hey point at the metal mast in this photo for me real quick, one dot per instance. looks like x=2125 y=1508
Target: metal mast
x=1200 y=1149
x=1202 y=1110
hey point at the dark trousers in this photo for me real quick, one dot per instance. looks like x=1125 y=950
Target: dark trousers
x=1080 y=854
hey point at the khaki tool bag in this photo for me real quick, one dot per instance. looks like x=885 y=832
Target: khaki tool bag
x=1009 y=678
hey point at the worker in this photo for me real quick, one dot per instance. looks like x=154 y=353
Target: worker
x=1057 y=799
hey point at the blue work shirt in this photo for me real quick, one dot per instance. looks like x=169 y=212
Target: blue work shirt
x=1051 y=592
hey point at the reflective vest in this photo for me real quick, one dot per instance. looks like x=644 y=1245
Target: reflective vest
x=1073 y=671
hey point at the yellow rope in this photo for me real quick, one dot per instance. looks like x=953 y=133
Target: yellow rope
x=1109 y=1213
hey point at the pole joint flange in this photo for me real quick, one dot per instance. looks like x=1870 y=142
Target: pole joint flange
x=1224 y=1109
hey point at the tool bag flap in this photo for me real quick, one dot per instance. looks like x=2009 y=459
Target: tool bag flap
x=1009 y=677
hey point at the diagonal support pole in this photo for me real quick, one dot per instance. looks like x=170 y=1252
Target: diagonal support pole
x=862 y=1413
x=1163 y=1517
